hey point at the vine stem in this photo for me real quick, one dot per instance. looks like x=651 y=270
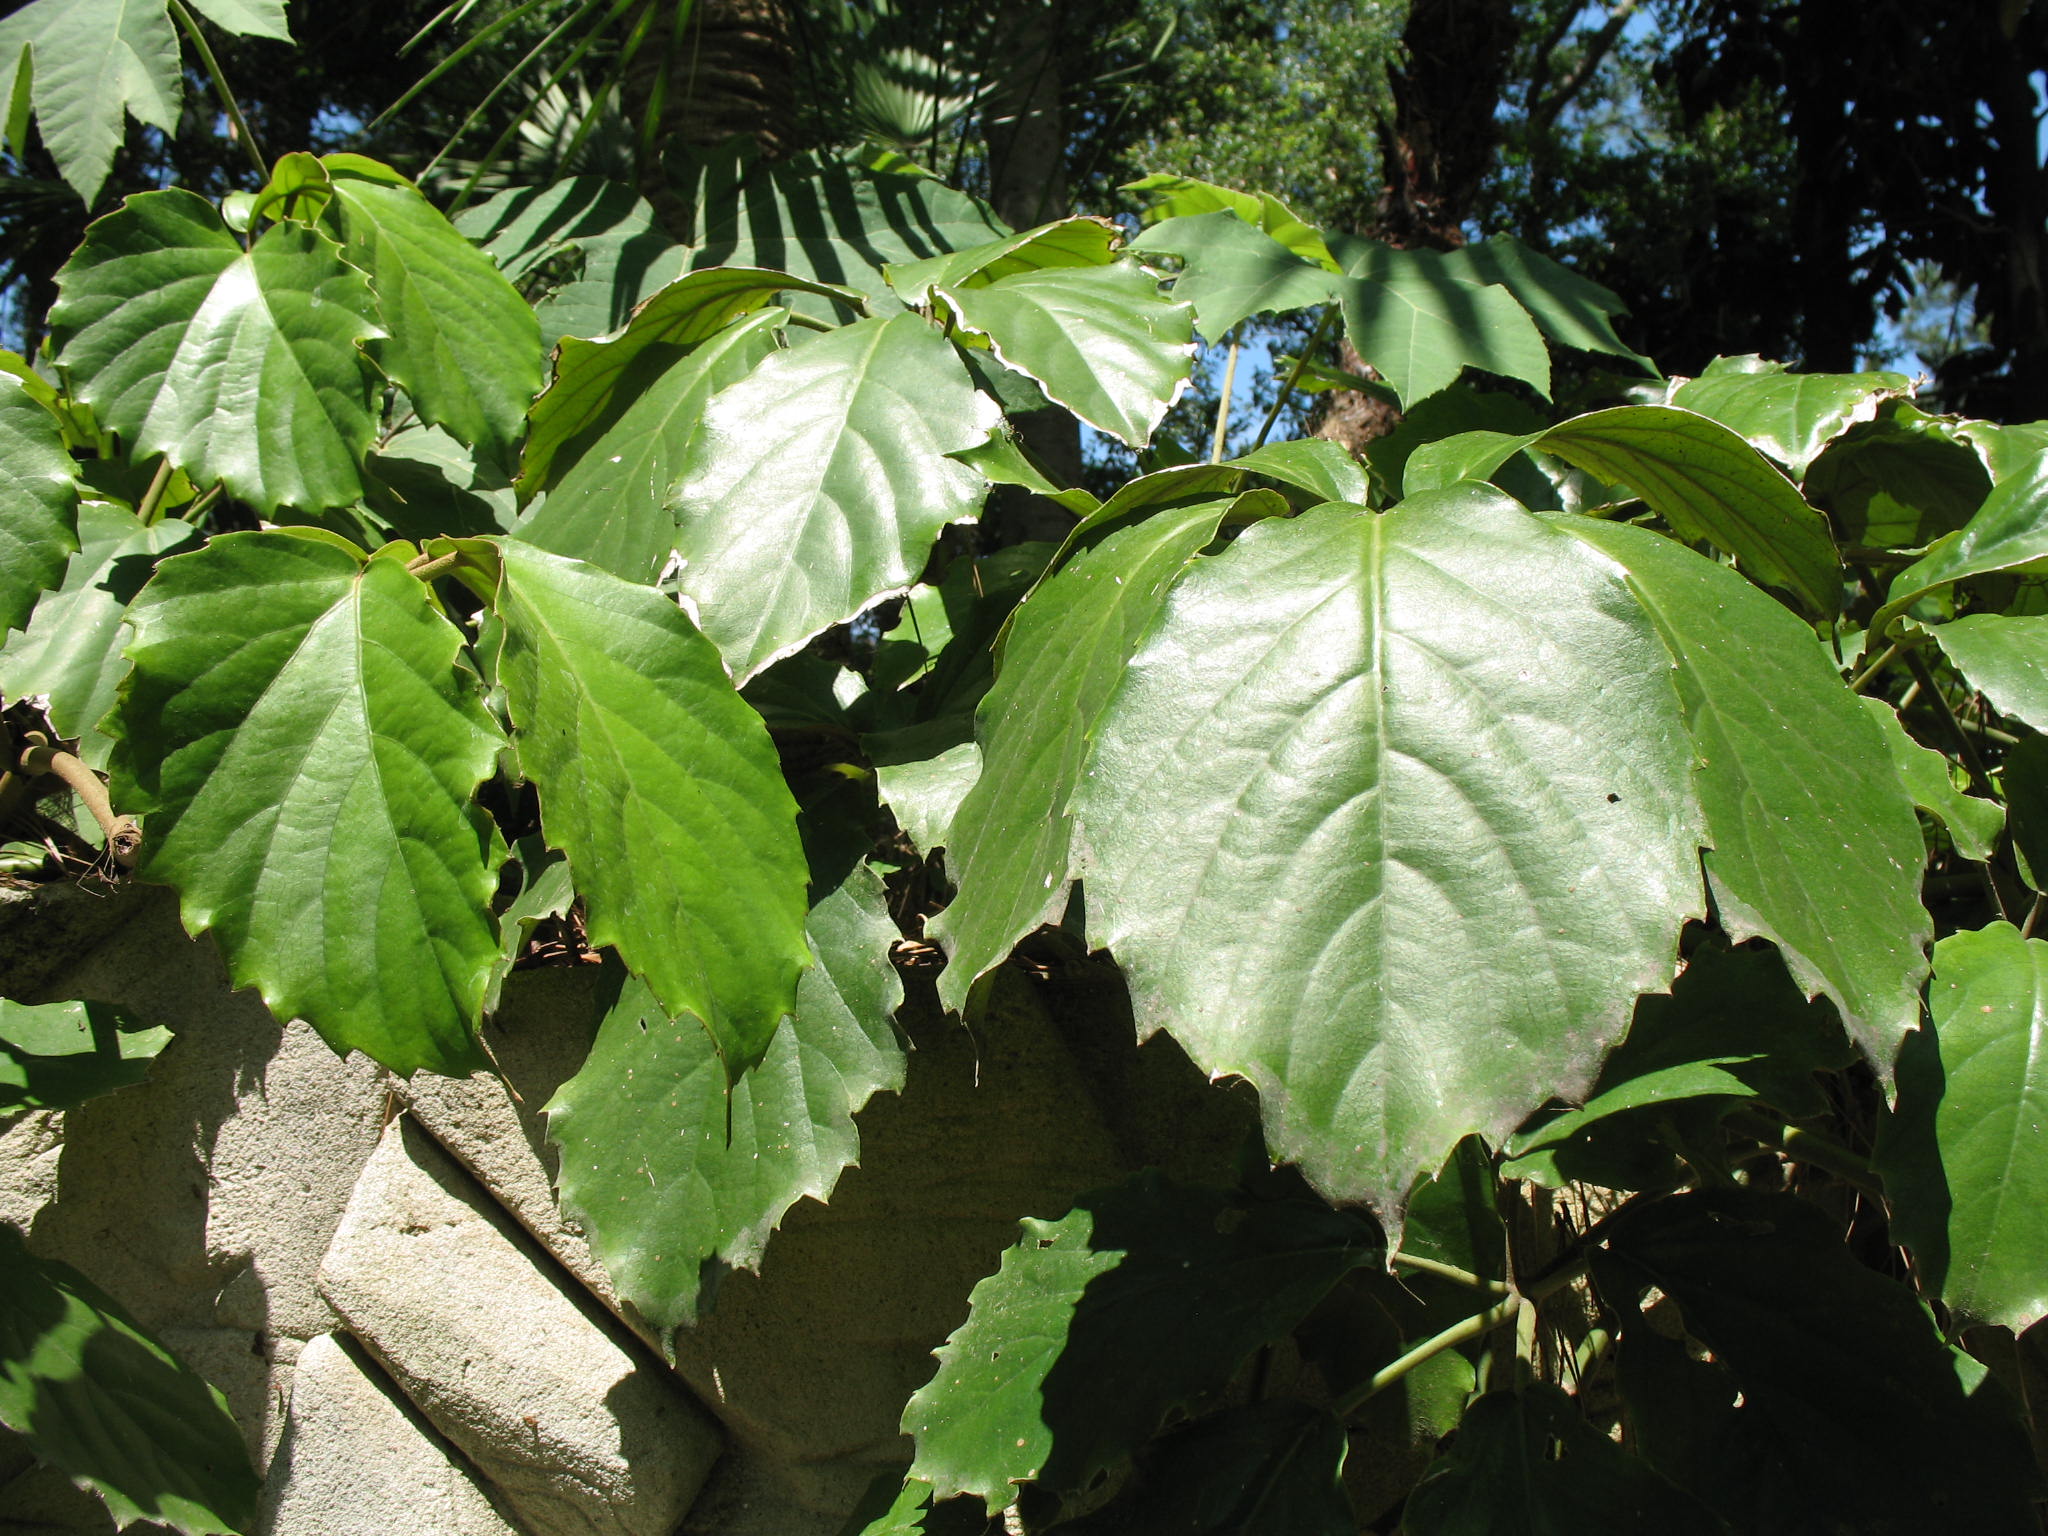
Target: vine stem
x=1980 y=777
x=151 y=512
x=1463 y=1277
x=1316 y=339
x=220 y=86
x=122 y=834
x=1465 y=1328
x=1808 y=1147
x=1223 y=401
x=1862 y=680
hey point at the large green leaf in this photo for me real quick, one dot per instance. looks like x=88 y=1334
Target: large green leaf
x=591 y=388
x=2005 y=659
x=816 y=484
x=1274 y=1468
x=609 y=500
x=1527 y=1463
x=1158 y=1288
x=1390 y=816
x=1077 y=242
x=1009 y=848
x=459 y=340
x=1790 y=416
x=1964 y=1163
x=605 y=234
x=662 y=788
x=1898 y=482
x=1814 y=842
x=2008 y=532
x=1570 y=310
x=1974 y=823
x=306 y=741
x=1102 y=341
x=833 y=222
x=1839 y=1368
x=1696 y=474
x=1183 y=196
x=93 y=61
x=72 y=648
x=1312 y=464
x=1421 y=325
x=242 y=366
x=648 y=1165
x=1233 y=271
x=109 y=1406
x=38 y=502
x=58 y=1055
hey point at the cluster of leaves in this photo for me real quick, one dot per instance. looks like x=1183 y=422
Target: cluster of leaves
x=1538 y=816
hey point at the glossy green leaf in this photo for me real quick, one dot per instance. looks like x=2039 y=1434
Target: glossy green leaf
x=592 y=387
x=1570 y=310
x=242 y=366
x=1421 y=326
x=1390 y=816
x=646 y=1162
x=1314 y=464
x=1002 y=461
x=1267 y=1469
x=1964 y=1162
x=71 y=651
x=604 y=233
x=833 y=222
x=1011 y=839
x=247 y=18
x=1814 y=843
x=662 y=788
x=1790 y=416
x=38 y=503
x=306 y=741
x=2009 y=532
x=1102 y=341
x=1233 y=271
x=94 y=62
x=816 y=485
x=609 y=500
x=1527 y=1463
x=545 y=891
x=1973 y=823
x=58 y=1055
x=1077 y=242
x=2005 y=659
x=459 y=340
x=421 y=484
x=113 y=1409
x=1159 y=1288
x=924 y=792
x=1182 y=196
x=1830 y=1357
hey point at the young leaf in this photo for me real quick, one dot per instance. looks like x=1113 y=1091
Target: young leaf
x=1009 y=842
x=609 y=501
x=1233 y=271
x=1790 y=416
x=817 y=483
x=1964 y=1166
x=307 y=742
x=38 y=502
x=1972 y=822
x=646 y=1163
x=1421 y=326
x=58 y=1055
x=1526 y=1463
x=95 y=60
x=109 y=1406
x=2005 y=659
x=662 y=788
x=459 y=341
x=72 y=648
x=242 y=366
x=1102 y=341
x=1814 y=842
x=1159 y=1288
x=1369 y=773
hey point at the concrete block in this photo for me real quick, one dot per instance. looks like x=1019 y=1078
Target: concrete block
x=580 y=1432
x=354 y=1462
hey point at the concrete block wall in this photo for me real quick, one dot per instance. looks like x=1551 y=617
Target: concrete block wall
x=411 y=1337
